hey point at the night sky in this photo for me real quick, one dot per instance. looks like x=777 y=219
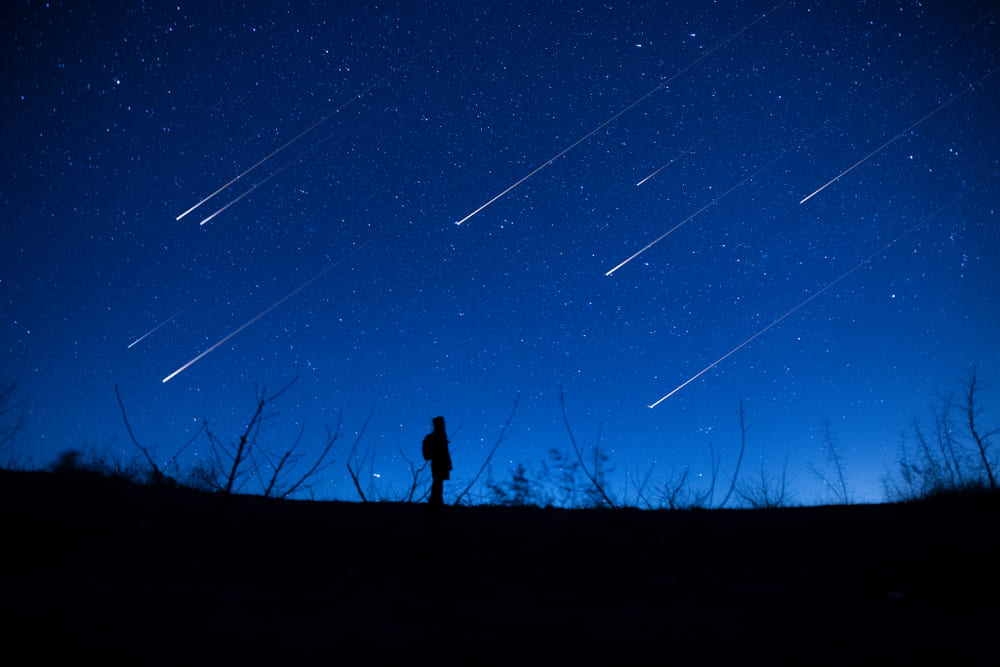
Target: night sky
x=120 y=117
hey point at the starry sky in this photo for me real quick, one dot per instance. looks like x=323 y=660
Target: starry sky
x=121 y=116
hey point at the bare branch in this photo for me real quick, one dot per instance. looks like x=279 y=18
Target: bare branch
x=766 y=492
x=8 y=406
x=705 y=499
x=672 y=490
x=981 y=439
x=579 y=456
x=640 y=488
x=503 y=431
x=415 y=473
x=739 y=459
x=331 y=439
x=157 y=473
x=282 y=462
x=242 y=452
x=835 y=459
x=354 y=475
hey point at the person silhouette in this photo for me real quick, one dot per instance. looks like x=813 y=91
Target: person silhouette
x=435 y=450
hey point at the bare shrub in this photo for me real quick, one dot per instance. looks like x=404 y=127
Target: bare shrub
x=834 y=479
x=594 y=492
x=12 y=421
x=522 y=488
x=767 y=491
x=953 y=455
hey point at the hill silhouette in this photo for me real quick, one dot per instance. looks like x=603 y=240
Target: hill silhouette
x=108 y=571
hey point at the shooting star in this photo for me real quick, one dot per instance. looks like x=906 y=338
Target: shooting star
x=294 y=139
x=679 y=156
x=274 y=305
x=898 y=136
x=627 y=108
x=796 y=146
x=265 y=180
x=700 y=211
x=823 y=289
x=968 y=28
x=159 y=326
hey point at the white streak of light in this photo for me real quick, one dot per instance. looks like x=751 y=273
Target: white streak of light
x=616 y=116
x=273 y=306
x=898 y=136
x=823 y=289
x=158 y=326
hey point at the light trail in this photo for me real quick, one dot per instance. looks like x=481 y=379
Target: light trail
x=898 y=136
x=306 y=131
x=823 y=289
x=265 y=180
x=799 y=144
x=968 y=28
x=274 y=305
x=627 y=108
x=700 y=211
x=159 y=326
x=679 y=156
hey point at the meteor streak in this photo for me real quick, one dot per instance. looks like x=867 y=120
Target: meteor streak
x=265 y=180
x=698 y=212
x=630 y=106
x=898 y=136
x=274 y=305
x=306 y=131
x=679 y=156
x=797 y=145
x=823 y=289
x=159 y=326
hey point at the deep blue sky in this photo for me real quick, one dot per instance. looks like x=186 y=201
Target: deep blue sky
x=120 y=117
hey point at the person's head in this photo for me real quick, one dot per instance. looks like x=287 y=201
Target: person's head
x=438 y=424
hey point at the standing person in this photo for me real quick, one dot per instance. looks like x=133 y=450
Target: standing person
x=435 y=450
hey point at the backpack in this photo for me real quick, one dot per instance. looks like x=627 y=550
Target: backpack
x=428 y=447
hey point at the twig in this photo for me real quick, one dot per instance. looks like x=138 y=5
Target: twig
x=597 y=485
x=414 y=474
x=739 y=459
x=503 y=431
x=157 y=474
x=318 y=467
x=354 y=475
x=981 y=439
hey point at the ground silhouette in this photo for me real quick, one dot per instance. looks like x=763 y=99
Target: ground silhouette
x=108 y=571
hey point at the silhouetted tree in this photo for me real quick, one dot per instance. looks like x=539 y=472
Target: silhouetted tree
x=678 y=493
x=232 y=463
x=640 y=488
x=739 y=459
x=285 y=479
x=418 y=484
x=12 y=421
x=767 y=491
x=837 y=484
x=503 y=432
x=595 y=490
x=157 y=474
x=419 y=481
x=517 y=491
x=352 y=457
x=982 y=437
x=674 y=492
x=939 y=461
x=230 y=467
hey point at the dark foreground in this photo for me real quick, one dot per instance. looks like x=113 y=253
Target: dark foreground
x=101 y=572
